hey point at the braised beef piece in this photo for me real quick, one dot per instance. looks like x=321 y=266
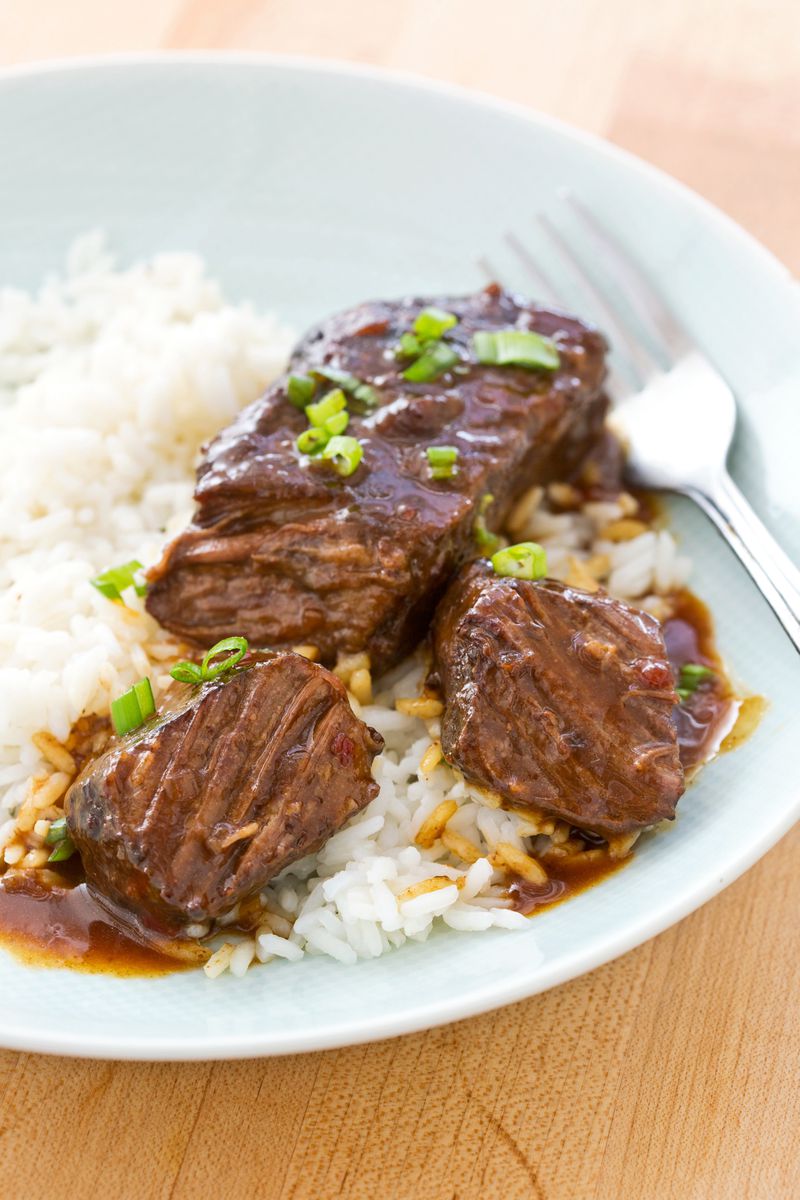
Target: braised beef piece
x=558 y=699
x=241 y=776
x=285 y=551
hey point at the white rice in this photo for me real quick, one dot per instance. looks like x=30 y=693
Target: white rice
x=110 y=380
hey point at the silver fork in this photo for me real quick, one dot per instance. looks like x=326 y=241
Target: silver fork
x=668 y=373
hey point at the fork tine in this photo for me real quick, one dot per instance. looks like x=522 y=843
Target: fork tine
x=644 y=366
x=616 y=385
x=490 y=273
x=642 y=296
x=542 y=282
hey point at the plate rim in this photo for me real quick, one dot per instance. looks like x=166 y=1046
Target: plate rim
x=425 y=1015
x=401 y=78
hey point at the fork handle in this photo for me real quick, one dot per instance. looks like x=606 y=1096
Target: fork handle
x=772 y=571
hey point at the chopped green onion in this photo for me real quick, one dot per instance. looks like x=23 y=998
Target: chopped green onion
x=57 y=832
x=327 y=407
x=113 y=582
x=300 y=389
x=346 y=381
x=442 y=461
x=65 y=849
x=526 y=560
x=190 y=672
x=143 y=692
x=439 y=456
x=432 y=322
x=354 y=387
x=517 y=347
x=695 y=671
x=125 y=713
x=345 y=453
x=436 y=358
x=337 y=423
x=690 y=676
x=487 y=541
x=187 y=672
x=312 y=441
x=238 y=645
x=58 y=836
x=132 y=708
x=409 y=346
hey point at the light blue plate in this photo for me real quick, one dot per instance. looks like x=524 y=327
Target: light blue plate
x=309 y=186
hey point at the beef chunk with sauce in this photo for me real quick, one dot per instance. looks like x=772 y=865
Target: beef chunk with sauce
x=238 y=778
x=558 y=699
x=283 y=550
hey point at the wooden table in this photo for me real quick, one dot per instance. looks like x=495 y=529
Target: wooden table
x=670 y=1073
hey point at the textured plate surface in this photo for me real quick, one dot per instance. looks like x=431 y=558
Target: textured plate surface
x=307 y=187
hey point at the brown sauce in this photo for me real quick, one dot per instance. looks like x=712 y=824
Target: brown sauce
x=53 y=920
x=751 y=710
x=566 y=877
x=60 y=924
x=689 y=637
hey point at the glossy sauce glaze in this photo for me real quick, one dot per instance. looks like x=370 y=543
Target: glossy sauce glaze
x=52 y=919
x=56 y=922
x=283 y=550
x=707 y=714
x=567 y=877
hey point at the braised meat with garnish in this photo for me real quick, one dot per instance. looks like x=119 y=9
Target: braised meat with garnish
x=335 y=509
x=238 y=777
x=558 y=699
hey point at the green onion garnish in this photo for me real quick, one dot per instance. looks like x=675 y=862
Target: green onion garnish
x=409 y=346
x=515 y=347
x=344 y=453
x=436 y=358
x=487 y=541
x=113 y=582
x=300 y=389
x=144 y=696
x=57 y=832
x=312 y=441
x=432 y=322
x=187 y=672
x=190 y=672
x=328 y=406
x=526 y=560
x=442 y=461
x=238 y=646
x=439 y=456
x=58 y=836
x=694 y=671
x=349 y=383
x=132 y=708
x=690 y=676
x=337 y=423
x=65 y=849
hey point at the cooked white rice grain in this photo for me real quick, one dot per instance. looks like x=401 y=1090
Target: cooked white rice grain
x=467 y=919
x=242 y=956
x=278 y=947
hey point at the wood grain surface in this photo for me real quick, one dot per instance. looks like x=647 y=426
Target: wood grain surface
x=671 y=1073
